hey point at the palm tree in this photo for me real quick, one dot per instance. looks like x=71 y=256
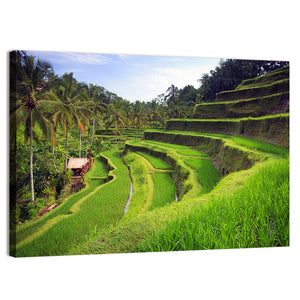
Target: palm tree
x=84 y=116
x=138 y=116
x=116 y=117
x=155 y=114
x=127 y=108
x=94 y=95
x=70 y=108
x=30 y=87
x=177 y=109
x=173 y=92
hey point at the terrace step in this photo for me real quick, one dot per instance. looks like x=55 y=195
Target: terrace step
x=261 y=86
x=270 y=129
x=274 y=88
x=256 y=107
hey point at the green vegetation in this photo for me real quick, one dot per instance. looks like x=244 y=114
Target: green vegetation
x=208 y=175
x=99 y=169
x=215 y=183
x=191 y=152
x=231 y=72
x=255 y=215
x=270 y=77
x=89 y=213
x=255 y=107
x=142 y=185
x=30 y=228
x=164 y=190
x=238 y=140
x=272 y=129
x=156 y=162
x=259 y=91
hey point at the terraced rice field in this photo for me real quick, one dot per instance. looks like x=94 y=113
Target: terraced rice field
x=201 y=184
x=87 y=211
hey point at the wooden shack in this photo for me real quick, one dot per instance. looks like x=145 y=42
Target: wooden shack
x=76 y=164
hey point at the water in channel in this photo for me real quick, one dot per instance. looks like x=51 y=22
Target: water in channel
x=130 y=195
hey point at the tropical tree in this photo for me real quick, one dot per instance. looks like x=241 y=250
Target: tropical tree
x=172 y=93
x=95 y=94
x=30 y=103
x=127 y=108
x=116 y=117
x=177 y=109
x=70 y=106
x=231 y=72
x=84 y=115
x=155 y=114
x=138 y=116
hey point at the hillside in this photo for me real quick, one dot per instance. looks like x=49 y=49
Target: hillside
x=218 y=181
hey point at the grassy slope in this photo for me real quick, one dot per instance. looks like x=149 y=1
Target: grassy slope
x=28 y=229
x=284 y=115
x=208 y=175
x=142 y=185
x=255 y=215
x=157 y=163
x=100 y=208
x=247 y=143
x=164 y=190
x=128 y=235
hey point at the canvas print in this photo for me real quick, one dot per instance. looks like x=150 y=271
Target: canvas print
x=115 y=153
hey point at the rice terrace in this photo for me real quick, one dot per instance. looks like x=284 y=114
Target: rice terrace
x=195 y=168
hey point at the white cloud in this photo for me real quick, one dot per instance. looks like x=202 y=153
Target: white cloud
x=67 y=57
x=157 y=80
x=87 y=58
x=182 y=76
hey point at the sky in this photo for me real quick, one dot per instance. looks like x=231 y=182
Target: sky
x=132 y=77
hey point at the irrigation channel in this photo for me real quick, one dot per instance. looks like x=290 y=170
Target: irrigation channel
x=130 y=194
x=131 y=191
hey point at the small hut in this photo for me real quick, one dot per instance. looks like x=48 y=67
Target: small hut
x=76 y=164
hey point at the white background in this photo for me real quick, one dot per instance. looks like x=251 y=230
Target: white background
x=223 y=29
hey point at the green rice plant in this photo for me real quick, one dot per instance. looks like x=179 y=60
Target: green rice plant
x=99 y=169
x=255 y=215
x=191 y=152
x=156 y=162
x=168 y=145
x=30 y=228
x=164 y=190
x=142 y=185
x=104 y=206
x=208 y=175
x=249 y=143
x=260 y=146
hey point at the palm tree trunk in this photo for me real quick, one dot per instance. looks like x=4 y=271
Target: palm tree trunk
x=136 y=133
x=31 y=159
x=66 y=159
x=93 y=131
x=80 y=144
x=87 y=143
x=116 y=136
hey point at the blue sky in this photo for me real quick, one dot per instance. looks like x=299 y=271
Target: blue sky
x=133 y=77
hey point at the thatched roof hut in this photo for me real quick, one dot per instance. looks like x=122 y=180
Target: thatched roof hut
x=76 y=163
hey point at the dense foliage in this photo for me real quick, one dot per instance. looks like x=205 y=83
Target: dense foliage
x=56 y=117
x=230 y=73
